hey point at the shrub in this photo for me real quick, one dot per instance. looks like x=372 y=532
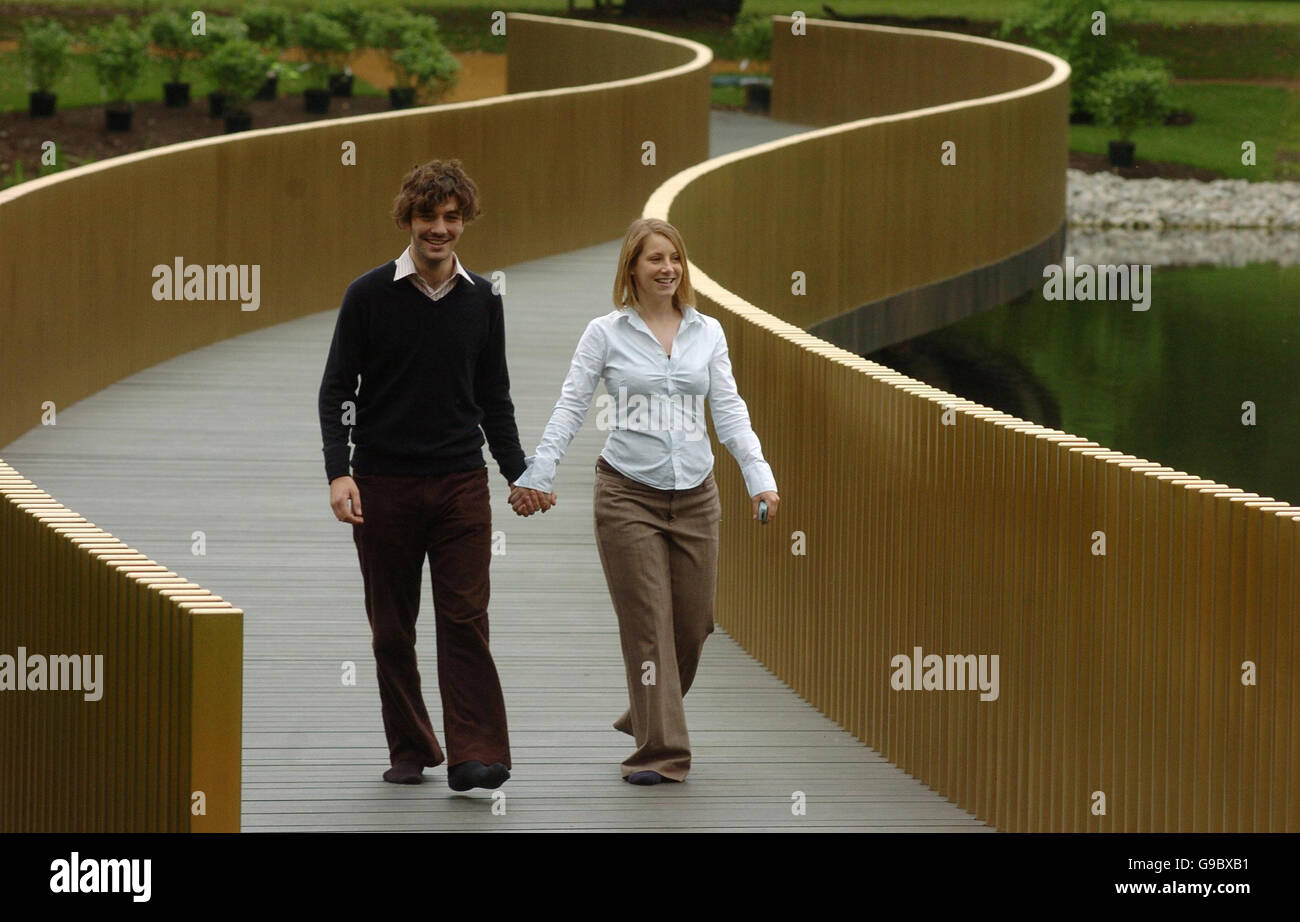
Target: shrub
x=119 y=56
x=170 y=31
x=238 y=68
x=268 y=26
x=326 y=44
x=390 y=29
x=753 y=36
x=1127 y=98
x=43 y=50
x=1064 y=28
x=348 y=14
x=426 y=65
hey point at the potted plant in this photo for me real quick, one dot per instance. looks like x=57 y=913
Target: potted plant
x=753 y=37
x=1127 y=98
x=43 y=50
x=119 y=56
x=390 y=30
x=352 y=17
x=238 y=68
x=325 y=42
x=268 y=26
x=170 y=33
x=221 y=29
x=428 y=69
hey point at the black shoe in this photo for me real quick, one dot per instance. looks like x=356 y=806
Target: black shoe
x=646 y=777
x=405 y=773
x=475 y=774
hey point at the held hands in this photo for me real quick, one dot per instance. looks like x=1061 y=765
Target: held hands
x=526 y=501
x=772 y=501
x=345 y=500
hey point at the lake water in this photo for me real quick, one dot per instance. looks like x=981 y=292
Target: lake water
x=1167 y=384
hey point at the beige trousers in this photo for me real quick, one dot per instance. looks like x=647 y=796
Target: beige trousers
x=659 y=550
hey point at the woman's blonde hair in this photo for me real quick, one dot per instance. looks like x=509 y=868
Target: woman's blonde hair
x=633 y=244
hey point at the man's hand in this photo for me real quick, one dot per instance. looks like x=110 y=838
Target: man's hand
x=526 y=501
x=522 y=500
x=772 y=501
x=345 y=499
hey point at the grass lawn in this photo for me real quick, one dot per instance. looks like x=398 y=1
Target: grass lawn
x=1162 y=11
x=1226 y=115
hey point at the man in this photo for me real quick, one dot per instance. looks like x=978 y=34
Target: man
x=427 y=338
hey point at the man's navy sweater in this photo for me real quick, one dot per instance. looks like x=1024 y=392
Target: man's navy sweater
x=432 y=373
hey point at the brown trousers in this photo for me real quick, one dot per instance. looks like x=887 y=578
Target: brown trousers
x=659 y=550
x=447 y=519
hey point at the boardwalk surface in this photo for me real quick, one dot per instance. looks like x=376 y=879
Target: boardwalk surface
x=225 y=440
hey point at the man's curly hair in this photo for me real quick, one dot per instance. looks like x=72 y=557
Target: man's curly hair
x=430 y=184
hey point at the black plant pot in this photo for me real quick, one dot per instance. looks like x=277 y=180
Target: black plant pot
x=1120 y=152
x=340 y=84
x=216 y=104
x=316 y=100
x=119 y=119
x=1082 y=118
x=176 y=95
x=268 y=88
x=758 y=96
x=238 y=121
x=401 y=97
x=41 y=105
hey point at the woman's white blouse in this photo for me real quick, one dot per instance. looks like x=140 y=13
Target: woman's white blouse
x=654 y=405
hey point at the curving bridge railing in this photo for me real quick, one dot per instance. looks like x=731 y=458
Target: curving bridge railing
x=1115 y=639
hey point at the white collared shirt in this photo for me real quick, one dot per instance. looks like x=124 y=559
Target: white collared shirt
x=654 y=408
x=406 y=267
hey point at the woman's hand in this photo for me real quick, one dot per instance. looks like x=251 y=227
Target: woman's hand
x=772 y=501
x=526 y=501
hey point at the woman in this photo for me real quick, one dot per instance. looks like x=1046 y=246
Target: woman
x=656 y=504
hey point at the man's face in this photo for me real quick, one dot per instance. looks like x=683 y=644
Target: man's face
x=433 y=237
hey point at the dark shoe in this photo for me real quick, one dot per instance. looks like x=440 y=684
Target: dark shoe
x=405 y=773
x=646 y=777
x=475 y=774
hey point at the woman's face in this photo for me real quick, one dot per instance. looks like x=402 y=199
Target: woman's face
x=658 y=270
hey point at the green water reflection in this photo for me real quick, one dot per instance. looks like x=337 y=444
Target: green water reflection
x=1166 y=384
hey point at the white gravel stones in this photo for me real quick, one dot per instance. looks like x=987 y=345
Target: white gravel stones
x=1105 y=200
x=1181 y=222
